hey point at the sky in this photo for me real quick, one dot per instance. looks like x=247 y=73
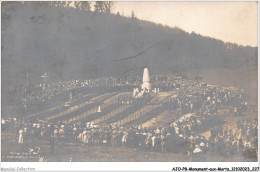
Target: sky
x=234 y=22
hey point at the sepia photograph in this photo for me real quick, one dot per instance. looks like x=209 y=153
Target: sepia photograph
x=119 y=81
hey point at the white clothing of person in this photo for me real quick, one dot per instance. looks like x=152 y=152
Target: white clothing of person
x=20 y=140
x=55 y=135
x=61 y=132
x=124 y=138
x=197 y=150
x=157 y=131
x=153 y=141
x=247 y=145
x=80 y=136
x=85 y=138
x=75 y=129
x=239 y=135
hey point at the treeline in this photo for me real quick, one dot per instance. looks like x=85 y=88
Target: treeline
x=99 y=6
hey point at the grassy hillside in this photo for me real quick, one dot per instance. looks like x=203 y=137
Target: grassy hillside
x=69 y=43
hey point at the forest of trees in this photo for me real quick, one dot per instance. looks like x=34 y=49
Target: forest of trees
x=99 y=6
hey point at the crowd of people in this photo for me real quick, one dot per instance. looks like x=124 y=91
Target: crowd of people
x=227 y=142
x=46 y=95
x=176 y=138
x=198 y=102
x=53 y=92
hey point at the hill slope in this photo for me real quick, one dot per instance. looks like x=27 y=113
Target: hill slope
x=75 y=44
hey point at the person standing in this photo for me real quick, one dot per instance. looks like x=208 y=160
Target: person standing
x=52 y=139
x=197 y=155
x=75 y=132
x=20 y=138
x=85 y=139
x=25 y=135
x=163 y=142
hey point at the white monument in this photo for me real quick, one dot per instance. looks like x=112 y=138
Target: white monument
x=99 y=109
x=146 y=86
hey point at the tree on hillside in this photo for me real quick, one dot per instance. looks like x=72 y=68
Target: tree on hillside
x=99 y=6
x=108 y=6
x=134 y=19
x=41 y=3
x=55 y=3
x=68 y=4
x=77 y=4
x=62 y=4
x=52 y=3
x=85 y=5
x=103 y=6
x=133 y=15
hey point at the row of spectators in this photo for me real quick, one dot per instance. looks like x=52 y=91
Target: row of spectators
x=223 y=142
x=165 y=83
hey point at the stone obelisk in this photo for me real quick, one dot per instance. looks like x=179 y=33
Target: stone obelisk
x=146 y=86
